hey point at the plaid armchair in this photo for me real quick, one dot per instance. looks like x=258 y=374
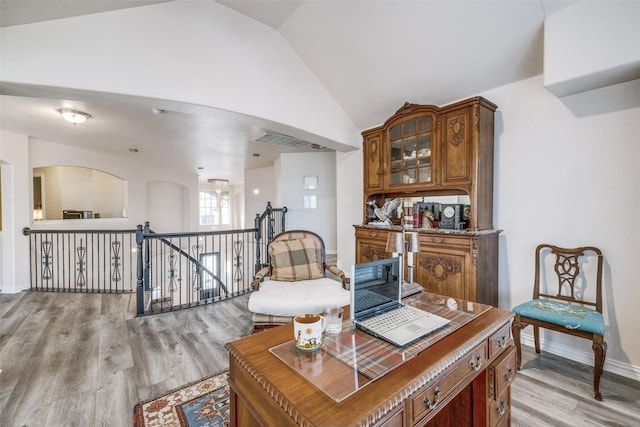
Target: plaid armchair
x=298 y=280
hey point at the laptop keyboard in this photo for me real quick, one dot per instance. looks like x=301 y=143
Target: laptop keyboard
x=368 y=299
x=387 y=321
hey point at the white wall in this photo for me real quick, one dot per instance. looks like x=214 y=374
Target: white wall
x=165 y=207
x=349 y=204
x=259 y=187
x=282 y=185
x=108 y=195
x=16 y=210
x=237 y=197
x=293 y=168
x=588 y=30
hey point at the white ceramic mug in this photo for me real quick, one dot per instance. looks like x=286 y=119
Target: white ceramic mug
x=308 y=330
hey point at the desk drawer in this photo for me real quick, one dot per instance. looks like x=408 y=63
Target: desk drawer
x=438 y=239
x=500 y=340
x=501 y=373
x=394 y=419
x=430 y=399
x=500 y=408
x=372 y=234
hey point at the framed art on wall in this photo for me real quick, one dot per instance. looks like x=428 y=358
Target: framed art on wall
x=310 y=182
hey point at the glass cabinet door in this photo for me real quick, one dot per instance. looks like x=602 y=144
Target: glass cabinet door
x=410 y=143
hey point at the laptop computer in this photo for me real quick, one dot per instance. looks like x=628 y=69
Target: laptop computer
x=377 y=308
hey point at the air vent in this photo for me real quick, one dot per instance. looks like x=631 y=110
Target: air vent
x=281 y=140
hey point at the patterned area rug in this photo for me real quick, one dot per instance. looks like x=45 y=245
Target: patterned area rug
x=204 y=403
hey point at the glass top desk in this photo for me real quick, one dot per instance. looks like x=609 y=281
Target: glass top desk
x=357 y=379
x=366 y=358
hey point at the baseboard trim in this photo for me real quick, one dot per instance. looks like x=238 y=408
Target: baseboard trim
x=610 y=365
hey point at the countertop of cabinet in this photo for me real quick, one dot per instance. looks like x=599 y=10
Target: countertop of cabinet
x=467 y=232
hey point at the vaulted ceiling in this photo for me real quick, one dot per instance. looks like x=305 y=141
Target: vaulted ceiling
x=371 y=56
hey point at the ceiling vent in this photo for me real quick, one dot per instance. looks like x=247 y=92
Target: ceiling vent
x=281 y=140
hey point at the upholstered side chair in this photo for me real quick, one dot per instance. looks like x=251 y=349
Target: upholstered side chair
x=297 y=280
x=568 y=310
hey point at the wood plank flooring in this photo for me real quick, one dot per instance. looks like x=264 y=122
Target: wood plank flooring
x=554 y=391
x=85 y=360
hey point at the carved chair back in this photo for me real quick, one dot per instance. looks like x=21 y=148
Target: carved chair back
x=571 y=286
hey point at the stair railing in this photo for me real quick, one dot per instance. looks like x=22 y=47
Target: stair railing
x=99 y=261
x=271 y=222
x=167 y=271
x=182 y=270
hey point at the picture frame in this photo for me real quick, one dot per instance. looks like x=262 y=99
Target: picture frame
x=311 y=182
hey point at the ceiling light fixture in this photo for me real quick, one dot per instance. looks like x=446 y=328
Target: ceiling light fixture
x=74 y=116
x=218 y=181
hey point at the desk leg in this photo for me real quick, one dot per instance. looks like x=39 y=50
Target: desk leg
x=479 y=386
x=233 y=408
x=239 y=415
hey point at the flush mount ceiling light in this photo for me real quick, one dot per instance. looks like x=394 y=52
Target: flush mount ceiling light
x=74 y=116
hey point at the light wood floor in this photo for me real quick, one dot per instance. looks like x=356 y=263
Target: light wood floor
x=85 y=360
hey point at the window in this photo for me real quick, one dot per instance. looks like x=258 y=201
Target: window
x=214 y=208
x=209 y=279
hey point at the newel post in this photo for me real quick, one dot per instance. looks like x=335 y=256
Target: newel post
x=140 y=275
x=258 y=226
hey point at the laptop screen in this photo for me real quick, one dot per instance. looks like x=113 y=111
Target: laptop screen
x=375 y=287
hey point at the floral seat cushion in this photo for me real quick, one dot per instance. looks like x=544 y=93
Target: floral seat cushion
x=570 y=316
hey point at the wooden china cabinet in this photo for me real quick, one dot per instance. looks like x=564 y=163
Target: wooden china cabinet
x=430 y=151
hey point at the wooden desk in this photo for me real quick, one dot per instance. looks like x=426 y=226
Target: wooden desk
x=462 y=380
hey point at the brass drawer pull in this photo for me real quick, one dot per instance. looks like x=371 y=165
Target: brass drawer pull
x=501 y=342
x=501 y=408
x=509 y=375
x=476 y=363
x=436 y=398
x=434 y=240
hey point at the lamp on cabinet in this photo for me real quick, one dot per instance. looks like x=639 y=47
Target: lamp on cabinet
x=404 y=244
